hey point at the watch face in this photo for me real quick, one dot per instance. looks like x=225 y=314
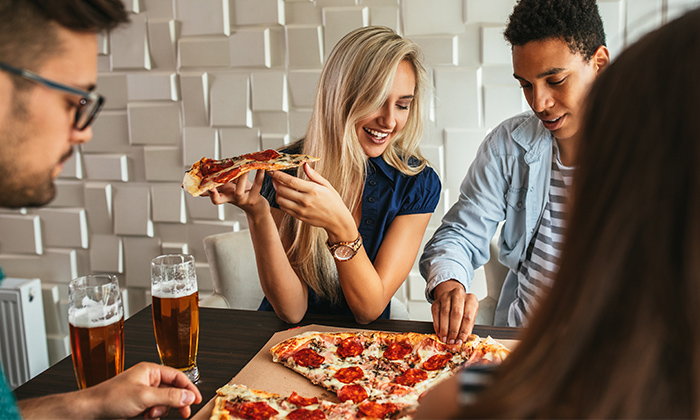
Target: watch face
x=344 y=252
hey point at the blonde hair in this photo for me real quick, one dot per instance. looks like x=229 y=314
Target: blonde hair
x=355 y=82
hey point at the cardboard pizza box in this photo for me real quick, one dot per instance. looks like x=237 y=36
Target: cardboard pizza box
x=264 y=374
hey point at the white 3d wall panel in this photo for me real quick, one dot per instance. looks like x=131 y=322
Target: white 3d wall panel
x=218 y=78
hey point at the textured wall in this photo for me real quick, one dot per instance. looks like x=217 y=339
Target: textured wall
x=217 y=78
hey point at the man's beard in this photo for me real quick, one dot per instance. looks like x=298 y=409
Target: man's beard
x=16 y=192
x=17 y=187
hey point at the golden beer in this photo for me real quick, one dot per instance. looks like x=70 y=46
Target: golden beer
x=176 y=326
x=98 y=352
x=96 y=319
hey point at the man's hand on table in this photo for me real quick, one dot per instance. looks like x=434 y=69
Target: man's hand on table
x=454 y=312
x=145 y=389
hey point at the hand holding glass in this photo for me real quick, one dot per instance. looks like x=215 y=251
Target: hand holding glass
x=176 y=311
x=96 y=318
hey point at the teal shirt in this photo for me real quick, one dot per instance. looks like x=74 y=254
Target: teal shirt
x=8 y=405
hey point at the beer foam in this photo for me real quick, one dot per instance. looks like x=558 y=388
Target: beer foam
x=173 y=289
x=94 y=314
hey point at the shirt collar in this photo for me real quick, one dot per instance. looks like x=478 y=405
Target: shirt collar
x=388 y=170
x=532 y=136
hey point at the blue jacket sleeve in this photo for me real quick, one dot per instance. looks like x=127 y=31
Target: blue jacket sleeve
x=461 y=243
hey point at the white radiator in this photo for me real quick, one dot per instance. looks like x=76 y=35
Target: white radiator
x=23 y=350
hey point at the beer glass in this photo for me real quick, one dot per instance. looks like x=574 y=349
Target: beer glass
x=176 y=311
x=96 y=322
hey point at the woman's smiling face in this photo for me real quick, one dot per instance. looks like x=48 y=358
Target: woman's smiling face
x=376 y=130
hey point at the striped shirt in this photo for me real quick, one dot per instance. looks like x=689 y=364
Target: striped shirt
x=541 y=263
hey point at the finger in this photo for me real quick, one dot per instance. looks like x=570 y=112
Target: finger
x=315 y=176
x=455 y=316
x=289 y=199
x=185 y=412
x=170 y=397
x=157 y=412
x=173 y=377
x=290 y=181
x=241 y=184
x=471 y=307
x=217 y=197
x=214 y=196
x=257 y=182
x=444 y=309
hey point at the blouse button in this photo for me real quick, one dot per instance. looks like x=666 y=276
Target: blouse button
x=372 y=182
x=369 y=221
x=371 y=199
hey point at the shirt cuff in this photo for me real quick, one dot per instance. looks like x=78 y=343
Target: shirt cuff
x=441 y=278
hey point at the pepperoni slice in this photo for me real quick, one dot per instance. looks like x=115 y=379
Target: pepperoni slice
x=411 y=377
x=349 y=374
x=251 y=410
x=397 y=351
x=297 y=399
x=211 y=166
x=304 y=414
x=437 y=362
x=308 y=358
x=354 y=393
x=350 y=347
x=376 y=410
x=262 y=155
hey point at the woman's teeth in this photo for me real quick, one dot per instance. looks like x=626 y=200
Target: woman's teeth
x=376 y=134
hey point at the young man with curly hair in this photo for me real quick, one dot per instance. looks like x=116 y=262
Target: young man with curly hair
x=522 y=171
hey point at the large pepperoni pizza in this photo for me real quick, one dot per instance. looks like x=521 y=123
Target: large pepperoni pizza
x=374 y=374
x=207 y=174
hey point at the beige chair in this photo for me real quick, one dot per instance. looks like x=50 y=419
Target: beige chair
x=233 y=271
x=235 y=275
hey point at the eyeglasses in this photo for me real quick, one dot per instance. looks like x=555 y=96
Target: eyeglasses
x=90 y=102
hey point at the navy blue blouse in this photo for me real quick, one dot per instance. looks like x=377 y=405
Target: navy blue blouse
x=388 y=193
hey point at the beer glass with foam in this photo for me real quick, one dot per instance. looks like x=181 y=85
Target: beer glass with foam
x=176 y=311
x=96 y=321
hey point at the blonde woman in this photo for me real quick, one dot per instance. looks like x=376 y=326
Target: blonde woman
x=340 y=238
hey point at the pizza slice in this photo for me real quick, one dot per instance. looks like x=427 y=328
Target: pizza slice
x=235 y=402
x=207 y=174
x=382 y=367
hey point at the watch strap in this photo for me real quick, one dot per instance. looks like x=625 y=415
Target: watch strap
x=353 y=245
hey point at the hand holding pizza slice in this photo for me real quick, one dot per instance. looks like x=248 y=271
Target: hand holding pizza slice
x=207 y=174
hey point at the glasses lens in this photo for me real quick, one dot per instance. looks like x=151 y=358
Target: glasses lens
x=87 y=111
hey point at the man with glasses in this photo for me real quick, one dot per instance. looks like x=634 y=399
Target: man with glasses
x=48 y=70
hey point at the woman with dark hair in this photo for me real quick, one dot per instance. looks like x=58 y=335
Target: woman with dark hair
x=617 y=334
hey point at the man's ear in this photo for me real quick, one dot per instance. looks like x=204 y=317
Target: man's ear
x=601 y=58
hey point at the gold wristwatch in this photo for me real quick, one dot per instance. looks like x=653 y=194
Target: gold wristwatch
x=344 y=251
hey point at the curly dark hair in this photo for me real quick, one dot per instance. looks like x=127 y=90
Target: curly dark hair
x=577 y=22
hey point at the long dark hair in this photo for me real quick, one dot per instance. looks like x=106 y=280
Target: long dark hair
x=618 y=334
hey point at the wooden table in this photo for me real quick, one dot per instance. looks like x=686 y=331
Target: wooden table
x=228 y=339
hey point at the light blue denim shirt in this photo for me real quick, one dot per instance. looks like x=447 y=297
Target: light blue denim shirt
x=508 y=181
